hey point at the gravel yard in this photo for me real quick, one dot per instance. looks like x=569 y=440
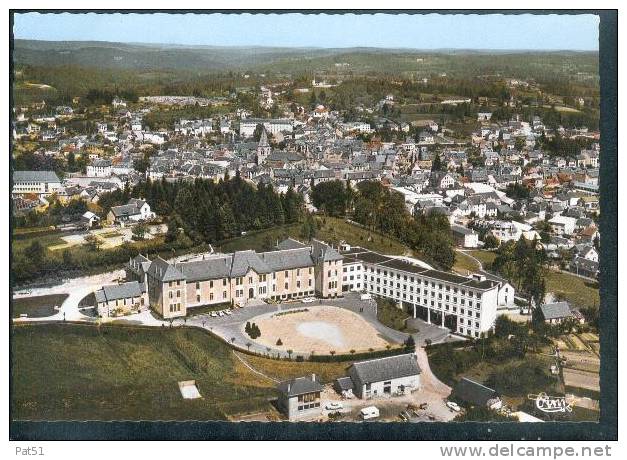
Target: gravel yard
x=319 y=329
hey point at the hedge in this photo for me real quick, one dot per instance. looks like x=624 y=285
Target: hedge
x=359 y=356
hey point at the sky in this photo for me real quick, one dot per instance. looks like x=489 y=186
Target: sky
x=430 y=31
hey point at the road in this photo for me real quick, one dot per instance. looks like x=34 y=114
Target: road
x=77 y=289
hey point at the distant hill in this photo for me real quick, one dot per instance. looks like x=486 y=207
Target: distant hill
x=139 y=56
x=150 y=57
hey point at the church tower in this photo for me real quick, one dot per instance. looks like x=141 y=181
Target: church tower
x=263 y=148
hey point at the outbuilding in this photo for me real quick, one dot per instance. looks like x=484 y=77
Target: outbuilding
x=300 y=397
x=475 y=394
x=392 y=375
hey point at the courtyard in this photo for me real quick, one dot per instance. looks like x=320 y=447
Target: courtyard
x=318 y=329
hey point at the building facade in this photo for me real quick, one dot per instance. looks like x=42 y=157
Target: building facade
x=300 y=397
x=393 y=375
x=466 y=305
x=35 y=182
x=239 y=277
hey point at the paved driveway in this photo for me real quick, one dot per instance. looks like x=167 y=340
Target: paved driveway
x=229 y=327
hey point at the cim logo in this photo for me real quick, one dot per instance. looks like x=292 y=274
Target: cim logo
x=548 y=403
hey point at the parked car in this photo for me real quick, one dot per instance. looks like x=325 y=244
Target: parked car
x=404 y=416
x=309 y=299
x=453 y=406
x=220 y=313
x=334 y=405
x=214 y=314
x=423 y=406
x=228 y=312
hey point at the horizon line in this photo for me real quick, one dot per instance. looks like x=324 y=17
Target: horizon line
x=519 y=50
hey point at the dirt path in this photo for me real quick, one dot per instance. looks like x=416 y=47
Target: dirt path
x=428 y=379
x=245 y=363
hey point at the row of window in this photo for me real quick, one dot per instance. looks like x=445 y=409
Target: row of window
x=418 y=290
x=120 y=302
x=425 y=282
x=309 y=397
x=309 y=406
x=174 y=307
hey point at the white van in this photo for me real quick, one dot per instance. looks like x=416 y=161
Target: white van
x=366 y=297
x=369 y=412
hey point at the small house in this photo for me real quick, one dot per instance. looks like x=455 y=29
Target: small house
x=119 y=299
x=300 y=397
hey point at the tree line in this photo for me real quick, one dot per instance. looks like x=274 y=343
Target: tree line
x=209 y=212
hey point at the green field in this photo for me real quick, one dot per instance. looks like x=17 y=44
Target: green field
x=75 y=372
x=577 y=291
x=463 y=264
x=37 y=306
x=85 y=372
x=486 y=257
x=334 y=230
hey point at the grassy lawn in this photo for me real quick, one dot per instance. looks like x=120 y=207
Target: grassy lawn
x=577 y=291
x=46 y=241
x=82 y=372
x=38 y=306
x=333 y=230
x=450 y=368
x=284 y=370
x=464 y=264
x=486 y=257
x=263 y=240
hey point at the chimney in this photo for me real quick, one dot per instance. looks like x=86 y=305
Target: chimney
x=313 y=377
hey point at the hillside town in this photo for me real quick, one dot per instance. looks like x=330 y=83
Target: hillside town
x=501 y=181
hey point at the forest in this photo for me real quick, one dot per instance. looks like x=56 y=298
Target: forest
x=207 y=212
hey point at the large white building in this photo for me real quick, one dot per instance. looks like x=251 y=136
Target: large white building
x=35 y=182
x=466 y=305
x=272 y=125
x=99 y=168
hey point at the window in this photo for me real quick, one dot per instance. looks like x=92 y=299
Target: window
x=287 y=274
x=224 y=295
x=211 y=284
x=197 y=285
x=211 y=296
